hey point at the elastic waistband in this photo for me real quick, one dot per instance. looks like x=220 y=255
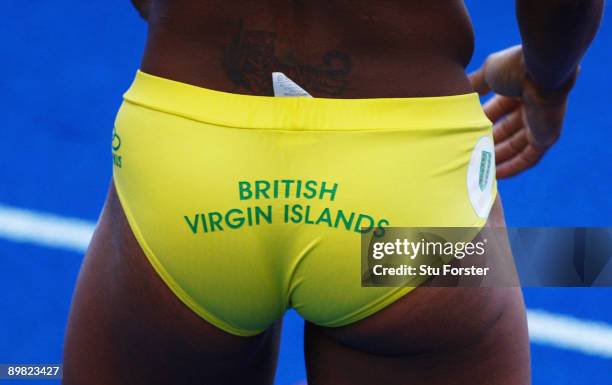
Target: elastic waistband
x=301 y=113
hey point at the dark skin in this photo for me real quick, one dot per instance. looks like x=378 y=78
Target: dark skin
x=325 y=46
x=126 y=327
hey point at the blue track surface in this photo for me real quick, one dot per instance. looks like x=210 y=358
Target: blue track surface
x=65 y=65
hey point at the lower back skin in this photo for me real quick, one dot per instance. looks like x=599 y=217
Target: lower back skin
x=332 y=48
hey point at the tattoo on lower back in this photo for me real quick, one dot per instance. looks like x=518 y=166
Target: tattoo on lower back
x=250 y=60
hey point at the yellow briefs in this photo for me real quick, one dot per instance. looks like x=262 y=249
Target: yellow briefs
x=248 y=205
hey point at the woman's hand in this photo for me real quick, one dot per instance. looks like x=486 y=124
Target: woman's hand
x=527 y=119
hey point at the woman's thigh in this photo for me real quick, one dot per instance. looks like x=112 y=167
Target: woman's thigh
x=126 y=326
x=434 y=335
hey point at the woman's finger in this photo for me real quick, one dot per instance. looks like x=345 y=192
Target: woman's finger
x=526 y=159
x=511 y=147
x=479 y=83
x=498 y=106
x=506 y=127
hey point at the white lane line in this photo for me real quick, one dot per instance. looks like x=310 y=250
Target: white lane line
x=45 y=229
x=561 y=331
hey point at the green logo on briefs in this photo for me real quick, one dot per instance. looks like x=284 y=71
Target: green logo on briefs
x=485 y=169
x=116 y=144
x=116 y=141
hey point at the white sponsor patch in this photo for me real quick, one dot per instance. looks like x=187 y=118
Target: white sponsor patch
x=480 y=176
x=283 y=86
